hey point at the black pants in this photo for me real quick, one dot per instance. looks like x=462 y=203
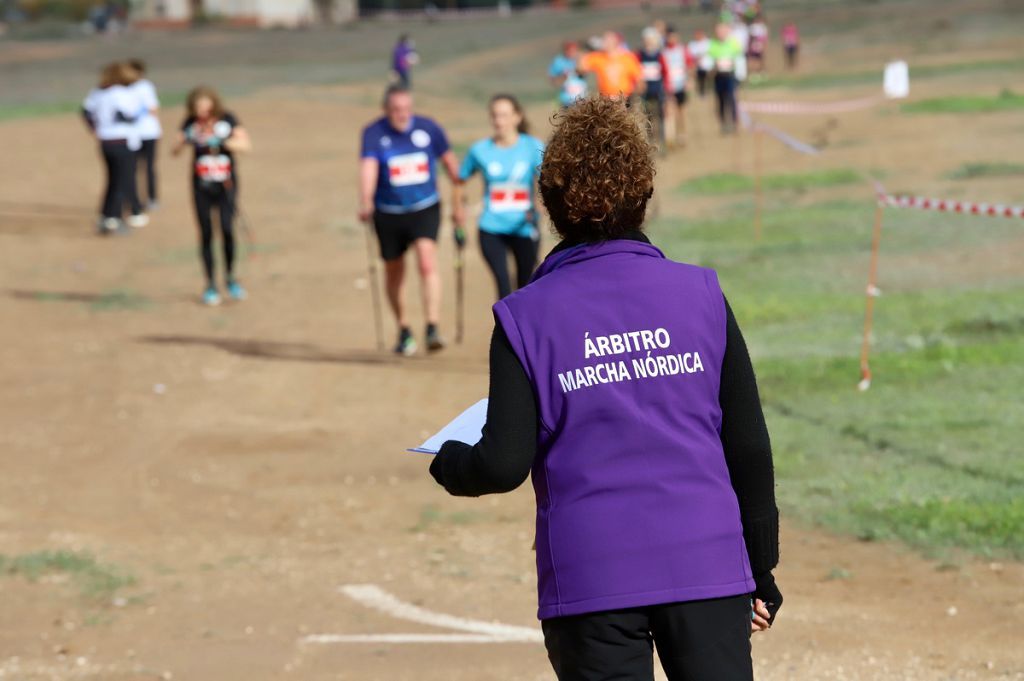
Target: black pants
x=147 y=156
x=725 y=91
x=702 y=82
x=495 y=248
x=210 y=196
x=697 y=641
x=120 y=191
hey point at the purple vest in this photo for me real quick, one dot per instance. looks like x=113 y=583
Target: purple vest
x=634 y=504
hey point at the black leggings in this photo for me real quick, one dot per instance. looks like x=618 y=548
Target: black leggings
x=702 y=82
x=207 y=197
x=120 y=191
x=697 y=641
x=147 y=156
x=495 y=248
x=725 y=91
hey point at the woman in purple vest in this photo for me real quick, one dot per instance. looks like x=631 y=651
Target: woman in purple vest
x=621 y=380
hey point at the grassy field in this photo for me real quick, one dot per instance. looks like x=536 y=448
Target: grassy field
x=930 y=454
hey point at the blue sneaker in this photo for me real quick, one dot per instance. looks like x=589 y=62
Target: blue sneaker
x=211 y=297
x=236 y=291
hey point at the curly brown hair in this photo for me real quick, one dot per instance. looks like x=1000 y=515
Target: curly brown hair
x=598 y=170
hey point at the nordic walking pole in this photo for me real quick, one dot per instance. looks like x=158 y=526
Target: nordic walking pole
x=869 y=309
x=460 y=283
x=371 y=258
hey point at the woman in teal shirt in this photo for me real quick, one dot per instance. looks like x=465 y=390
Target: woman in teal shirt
x=508 y=161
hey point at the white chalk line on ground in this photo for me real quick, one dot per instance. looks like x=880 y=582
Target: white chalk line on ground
x=477 y=631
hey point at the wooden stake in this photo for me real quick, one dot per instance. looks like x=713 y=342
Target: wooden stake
x=869 y=309
x=758 y=195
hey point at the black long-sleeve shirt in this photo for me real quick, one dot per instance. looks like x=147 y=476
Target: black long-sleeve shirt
x=503 y=458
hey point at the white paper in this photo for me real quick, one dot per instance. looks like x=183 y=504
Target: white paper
x=896 y=81
x=466 y=427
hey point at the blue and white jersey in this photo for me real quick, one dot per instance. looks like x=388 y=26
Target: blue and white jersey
x=407 y=179
x=510 y=174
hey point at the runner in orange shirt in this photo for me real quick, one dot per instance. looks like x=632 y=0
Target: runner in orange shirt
x=618 y=70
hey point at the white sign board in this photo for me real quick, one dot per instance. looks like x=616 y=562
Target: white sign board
x=897 y=80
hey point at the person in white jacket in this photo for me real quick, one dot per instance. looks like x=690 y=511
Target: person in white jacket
x=149 y=130
x=111 y=111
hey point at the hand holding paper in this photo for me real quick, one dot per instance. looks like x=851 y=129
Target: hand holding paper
x=466 y=427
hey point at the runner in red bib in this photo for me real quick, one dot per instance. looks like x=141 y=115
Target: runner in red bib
x=215 y=136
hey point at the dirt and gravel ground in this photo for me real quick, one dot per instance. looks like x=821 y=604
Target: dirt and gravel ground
x=244 y=462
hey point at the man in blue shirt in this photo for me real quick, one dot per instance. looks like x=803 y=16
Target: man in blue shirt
x=398 y=192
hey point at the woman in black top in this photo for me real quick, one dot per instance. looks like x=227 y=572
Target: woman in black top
x=215 y=136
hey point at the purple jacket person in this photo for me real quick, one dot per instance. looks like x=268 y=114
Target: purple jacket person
x=620 y=379
x=403 y=58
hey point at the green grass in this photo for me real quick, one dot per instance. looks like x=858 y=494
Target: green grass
x=35 y=110
x=431 y=515
x=120 y=299
x=930 y=455
x=730 y=183
x=1006 y=100
x=96 y=581
x=969 y=171
x=815 y=81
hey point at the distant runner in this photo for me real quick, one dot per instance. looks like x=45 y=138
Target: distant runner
x=677 y=61
x=758 y=45
x=111 y=111
x=617 y=70
x=699 y=53
x=508 y=161
x=726 y=52
x=564 y=75
x=149 y=129
x=398 y=192
x=655 y=72
x=791 y=44
x=403 y=58
x=215 y=135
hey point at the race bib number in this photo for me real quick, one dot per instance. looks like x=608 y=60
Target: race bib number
x=575 y=89
x=510 y=198
x=677 y=74
x=652 y=70
x=409 y=169
x=212 y=168
x=724 y=65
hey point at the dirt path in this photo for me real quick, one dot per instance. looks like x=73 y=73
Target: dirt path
x=244 y=462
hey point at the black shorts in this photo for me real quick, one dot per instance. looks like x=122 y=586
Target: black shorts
x=680 y=97
x=397 y=231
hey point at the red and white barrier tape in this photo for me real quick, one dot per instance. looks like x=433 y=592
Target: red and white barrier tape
x=799 y=108
x=965 y=207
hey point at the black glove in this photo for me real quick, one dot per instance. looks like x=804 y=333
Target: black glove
x=768 y=592
x=437 y=469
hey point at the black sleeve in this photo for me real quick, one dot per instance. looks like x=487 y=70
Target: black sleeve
x=748 y=451
x=501 y=461
x=89 y=120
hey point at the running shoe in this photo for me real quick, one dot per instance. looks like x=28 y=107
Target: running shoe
x=153 y=206
x=235 y=290
x=108 y=225
x=138 y=221
x=406 y=343
x=211 y=297
x=434 y=340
